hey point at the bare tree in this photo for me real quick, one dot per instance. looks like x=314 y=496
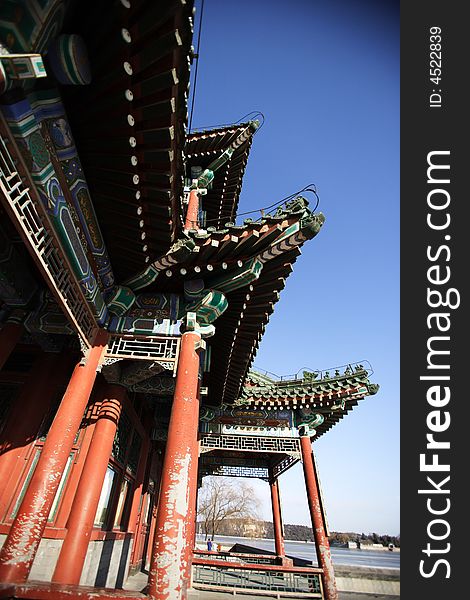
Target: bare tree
x=223 y=498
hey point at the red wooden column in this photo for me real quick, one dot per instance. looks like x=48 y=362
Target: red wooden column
x=33 y=403
x=22 y=542
x=192 y=513
x=10 y=335
x=277 y=519
x=322 y=544
x=172 y=553
x=192 y=214
x=85 y=503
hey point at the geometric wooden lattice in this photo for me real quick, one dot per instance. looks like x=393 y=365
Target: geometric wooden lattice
x=165 y=350
x=245 y=443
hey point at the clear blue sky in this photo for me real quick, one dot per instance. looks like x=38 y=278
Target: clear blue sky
x=325 y=74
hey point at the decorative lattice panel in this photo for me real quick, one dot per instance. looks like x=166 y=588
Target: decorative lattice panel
x=250 y=444
x=283 y=465
x=236 y=471
x=164 y=350
x=251 y=461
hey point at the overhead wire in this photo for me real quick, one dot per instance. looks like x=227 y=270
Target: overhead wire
x=195 y=70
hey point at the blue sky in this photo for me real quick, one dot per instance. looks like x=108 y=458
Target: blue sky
x=325 y=74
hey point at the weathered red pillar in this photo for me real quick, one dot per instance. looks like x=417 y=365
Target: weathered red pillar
x=172 y=553
x=85 y=503
x=192 y=214
x=277 y=519
x=192 y=514
x=26 y=416
x=22 y=542
x=10 y=335
x=322 y=544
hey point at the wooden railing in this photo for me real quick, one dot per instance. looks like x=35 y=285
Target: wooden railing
x=225 y=573
x=237 y=557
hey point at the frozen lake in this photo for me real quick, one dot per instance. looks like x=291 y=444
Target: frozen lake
x=382 y=559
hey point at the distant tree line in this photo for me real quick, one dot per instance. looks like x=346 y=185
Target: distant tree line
x=303 y=533
x=374 y=538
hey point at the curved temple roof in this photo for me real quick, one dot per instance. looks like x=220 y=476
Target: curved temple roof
x=129 y=126
x=249 y=264
x=332 y=397
x=221 y=201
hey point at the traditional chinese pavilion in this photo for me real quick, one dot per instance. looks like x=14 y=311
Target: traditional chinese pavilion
x=131 y=308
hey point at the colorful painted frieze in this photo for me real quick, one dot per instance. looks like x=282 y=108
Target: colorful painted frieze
x=27 y=132
x=50 y=114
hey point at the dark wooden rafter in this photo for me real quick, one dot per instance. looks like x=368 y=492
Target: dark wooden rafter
x=219 y=250
x=202 y=147
x=129 y=125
